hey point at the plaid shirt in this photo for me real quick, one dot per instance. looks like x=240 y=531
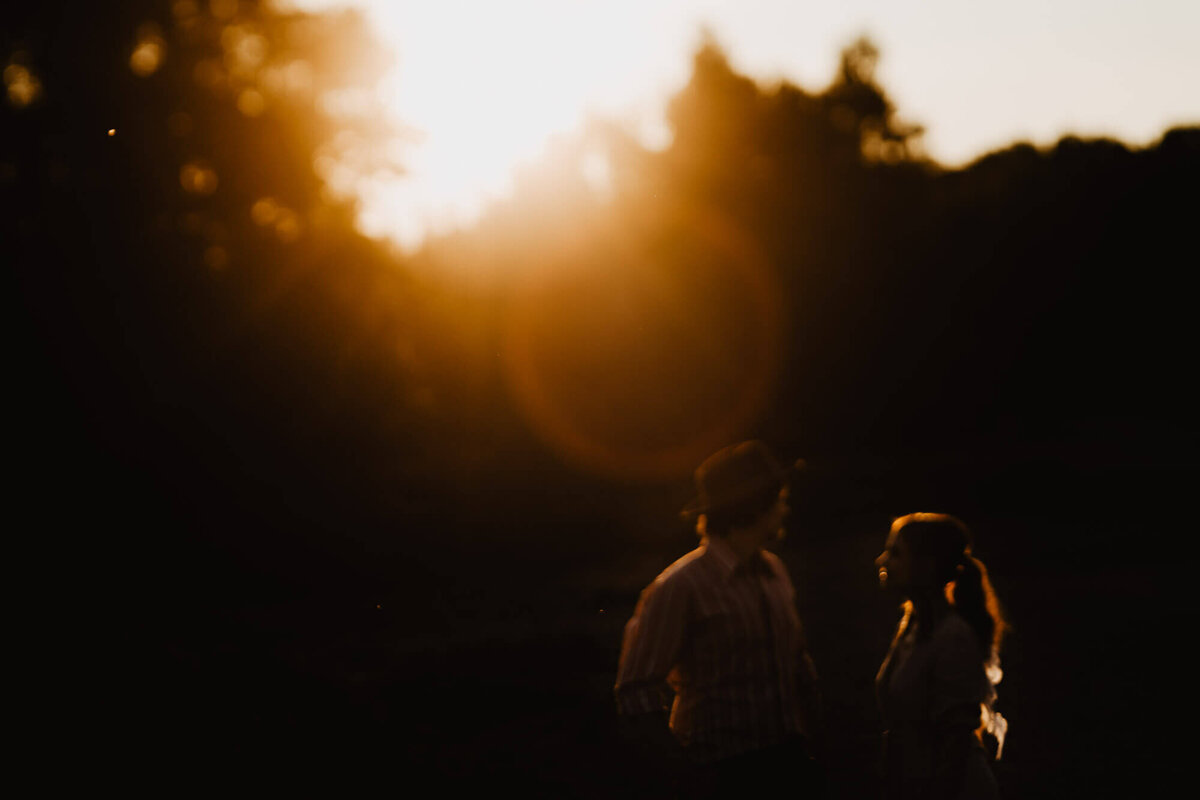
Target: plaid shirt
x=727 y=639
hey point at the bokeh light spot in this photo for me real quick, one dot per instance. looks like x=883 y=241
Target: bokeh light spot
x=198 y=178
x=145 y=59
x=298 y=76
x=22 y=85
x=287 y=228
x=245 y=50
x=149 y=52
x=251 y=102
x=264 y=211
x=891 y=152
x=294 y=77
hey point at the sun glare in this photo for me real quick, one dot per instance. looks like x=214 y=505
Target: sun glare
x=485 y=87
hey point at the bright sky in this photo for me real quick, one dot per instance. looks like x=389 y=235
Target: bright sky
x=487 y=82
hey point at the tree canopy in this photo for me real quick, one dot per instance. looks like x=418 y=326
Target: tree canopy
x=194 y=293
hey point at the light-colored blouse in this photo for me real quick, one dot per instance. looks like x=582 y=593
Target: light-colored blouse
x=932 y=691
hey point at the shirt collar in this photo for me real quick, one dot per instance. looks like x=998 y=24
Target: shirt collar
x=726 y=560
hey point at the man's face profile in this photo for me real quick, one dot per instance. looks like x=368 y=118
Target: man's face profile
x=777 y=515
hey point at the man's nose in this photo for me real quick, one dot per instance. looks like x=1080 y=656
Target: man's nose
x=881 y=559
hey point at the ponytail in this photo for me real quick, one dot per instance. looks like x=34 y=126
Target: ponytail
x=973 y=598
x=976 y=602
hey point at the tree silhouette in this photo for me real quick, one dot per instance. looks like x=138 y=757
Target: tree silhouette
x=920 y=304
x=206 y=335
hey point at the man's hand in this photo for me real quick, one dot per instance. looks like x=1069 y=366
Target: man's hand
x=651 y=737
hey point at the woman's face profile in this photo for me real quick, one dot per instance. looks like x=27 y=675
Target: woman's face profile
x=895 y=564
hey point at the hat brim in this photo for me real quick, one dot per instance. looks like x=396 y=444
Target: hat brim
x=698 y=505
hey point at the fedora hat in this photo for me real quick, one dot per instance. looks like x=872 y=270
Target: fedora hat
x=735 y=474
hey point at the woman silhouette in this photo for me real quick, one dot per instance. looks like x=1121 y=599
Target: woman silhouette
x=936 y=685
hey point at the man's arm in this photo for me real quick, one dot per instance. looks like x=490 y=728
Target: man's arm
x=650 y=650
x=808 y=694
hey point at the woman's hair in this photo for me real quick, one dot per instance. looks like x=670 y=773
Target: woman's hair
x=947 y=541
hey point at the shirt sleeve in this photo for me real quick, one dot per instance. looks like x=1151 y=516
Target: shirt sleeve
x=650 y=650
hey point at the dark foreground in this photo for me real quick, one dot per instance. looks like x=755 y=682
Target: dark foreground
x=494 y=673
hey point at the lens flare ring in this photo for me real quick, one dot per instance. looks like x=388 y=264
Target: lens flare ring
x=665 y=372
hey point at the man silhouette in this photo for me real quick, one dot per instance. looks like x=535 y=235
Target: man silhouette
x=719 y=627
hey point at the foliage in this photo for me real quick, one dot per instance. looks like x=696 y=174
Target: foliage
x=208 y=337
x=206 y=329
x=921 y=307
